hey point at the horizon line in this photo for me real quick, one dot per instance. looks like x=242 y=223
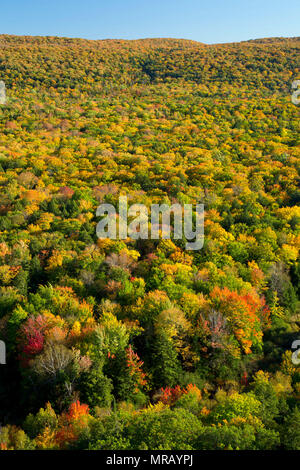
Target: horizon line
x=146 y=38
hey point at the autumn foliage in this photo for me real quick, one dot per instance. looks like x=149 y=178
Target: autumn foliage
x=123 y=344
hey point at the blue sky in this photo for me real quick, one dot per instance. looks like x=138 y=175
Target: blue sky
x=209 y=21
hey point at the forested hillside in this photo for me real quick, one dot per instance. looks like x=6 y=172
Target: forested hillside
x=141 y=344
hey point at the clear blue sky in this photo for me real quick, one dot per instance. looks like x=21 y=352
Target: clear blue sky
x=208 y=21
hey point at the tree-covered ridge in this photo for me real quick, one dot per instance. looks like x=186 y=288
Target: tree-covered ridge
x=39 y=61
x=116 y=344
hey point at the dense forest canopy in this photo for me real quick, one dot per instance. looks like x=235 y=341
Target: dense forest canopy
x=131 y=344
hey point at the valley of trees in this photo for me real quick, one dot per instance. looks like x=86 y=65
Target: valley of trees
x=140 y=344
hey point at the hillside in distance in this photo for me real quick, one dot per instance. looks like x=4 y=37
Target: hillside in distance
x=266 y=63
x=130 y=344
